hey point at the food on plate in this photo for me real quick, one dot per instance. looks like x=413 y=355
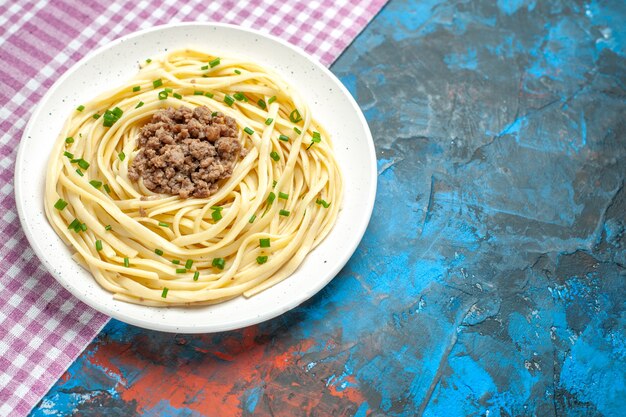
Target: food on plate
x=201 y=179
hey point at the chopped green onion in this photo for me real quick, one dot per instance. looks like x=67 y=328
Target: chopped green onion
x=218 y=262
x=117 y=112
x=261 y=259
x=96 y=116
x=69 y=140
x=136 y=88
x=60 y=204
x=209 y=95
x=157 y=83
x=96 y=183
x=107 y=189
x=83 y=227
x=189 y=263
x=79 y=172
x=237 y=72
x=139 y=104
x=271 y=100
x=283 y=138
x=252 y=218
x=274 y=183
x=121 y=155
x=69 y=155
x=204 y=67
x=315 y=139
x=229 y=100
x=269 y=121
x=112 y=116
x=148 y=60
x=126 y=262
x=74 y=225
x=158 y=252
x=217 y=208
x=80 y=108
x=82 y=163
x=322 y=202
x=163 y=224
x=239 y=96
x=216 y=215
x=214 y=63
x=248 y=131
x=298 y=131
x=214 y=114
x=107 y=227
x=261 y=104
x=295 y=117
x=176 y=262
x=284 y=213
x=198 y=93
x=168 y=89
x=271 y=198
x=178 y=96
x=274 y=155
x=284 y=196
x=164 y=293
x=180 y=270
x=98 y=245
x=162 y=95
x=264 y=243
x=196 y=275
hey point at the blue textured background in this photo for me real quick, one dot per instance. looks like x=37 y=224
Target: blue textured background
x=491 y=280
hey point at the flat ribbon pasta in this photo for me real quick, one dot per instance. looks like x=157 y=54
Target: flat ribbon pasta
x=280 y=202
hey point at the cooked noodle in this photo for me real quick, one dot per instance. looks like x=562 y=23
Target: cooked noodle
x=128 y=236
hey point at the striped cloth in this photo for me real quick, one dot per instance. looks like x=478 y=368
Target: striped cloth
x=42 y=327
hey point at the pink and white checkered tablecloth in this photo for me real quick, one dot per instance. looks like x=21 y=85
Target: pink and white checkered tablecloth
x=42 y=327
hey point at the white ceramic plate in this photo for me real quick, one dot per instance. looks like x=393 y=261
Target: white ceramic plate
x=109 y=66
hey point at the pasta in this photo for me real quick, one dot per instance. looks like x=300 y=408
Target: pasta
x=279 y=203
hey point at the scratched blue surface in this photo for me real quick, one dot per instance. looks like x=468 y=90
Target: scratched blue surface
x=491 y=280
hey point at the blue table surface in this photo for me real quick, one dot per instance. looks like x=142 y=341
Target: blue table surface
x=491 y=280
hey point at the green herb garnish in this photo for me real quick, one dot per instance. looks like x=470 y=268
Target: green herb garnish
x=60 y=204
x=218 y=263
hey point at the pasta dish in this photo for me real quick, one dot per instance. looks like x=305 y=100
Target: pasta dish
x=201 y=179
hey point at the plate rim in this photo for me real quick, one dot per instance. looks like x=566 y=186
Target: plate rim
x=107 y=308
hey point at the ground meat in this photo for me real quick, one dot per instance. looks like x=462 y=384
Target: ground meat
x=186 y=152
